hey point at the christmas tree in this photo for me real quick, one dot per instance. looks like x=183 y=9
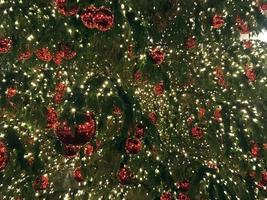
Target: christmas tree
x=133 y=99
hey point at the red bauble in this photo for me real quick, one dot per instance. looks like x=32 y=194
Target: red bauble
x=3 y=156
x=263 y=7
x=85 y=132
x=87 y=17
x=88 y=150
x=159 y=89
x=62 y=9
x=44 y=54
x=24 y=55
x=217 y=114
x=139 y=131
x=217 y=21
x=255 y=150
x=41 y=183
x=157 y=55
x=64 y=134
x=117 y=111
x=133 y=146
x=58 y=98
x=242 y=25
x=183 y=196
x=71 y=150
x=250 y=74
x=191 y=43
x=77 y=175
x=11 y=92
x=201 y=112
x=166 y=196
x=60 y=87
x=183 y=185
x=247 y=44
x=67 y=52
x=103 y=19
x=124 y=175
x=5 y=45
x=264 y=176
x=51 y=118
x=197 y=132
x=152 y=116
x=58 y=57
x=138 y=76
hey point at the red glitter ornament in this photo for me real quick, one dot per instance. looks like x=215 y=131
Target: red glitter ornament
x=117 y=111
x=133 y=146
x=157 y=55
x=255 y=150
x=41 y=183
x=250 y=74
x=191 y=43
x=88 y=150
x=67 y=52
x=166 y=196
x=124 y=175
x=24 y=55
x=263 y=7
x=51 y=118
x=152 y=116
x=201 y=112
x=183 y=185
x=217 y=21
x=103 y=19
x=183 y=196
x=197 y=132
x=3 y=156
x=11 y=92
x=87 y=17
x=242 y=25
x=44 y=54
x=62 y=9
x=138 y=76
x=247 y=44
x=78 y=175
x=217 y=114
x=139 y=131
x=159 y=89
x=5 y=45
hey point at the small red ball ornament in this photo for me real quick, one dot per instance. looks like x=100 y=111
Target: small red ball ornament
x=152 y=116
x=217 y=21
x=24 y=55
x=159 y=89
x=3 y=156
x=191 y=43
x=85 y=132
x=217 y=114
x=44 y=54
x=157 y=55
x=78 y=175
x=183 y=196
x=183 y=185
x=5 y=45
x=139 y=131
x=88 y=150
x=197 y=132
x=133 y=146
x=124 y=175
x=255 y=150
x=138 y=76
x=166 y=196
x=51 y=118
x=87 y=17
x=103 y=19
x=250 y=74
x=11 y=92
x=41 y=183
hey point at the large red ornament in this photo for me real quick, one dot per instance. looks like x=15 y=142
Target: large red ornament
x=197 y=132
x=191 y=43
x=133 y=146
x=99 y=18
x=3 y=156
x=103 y=19
x=124 y=175
x=166 y=196
x=183 y=196
x=157 y=55
x=159 y=89
x=87 y=17
x=139 y=131
x=44 y=54
x=78 y=175
x=255 y=150
x=41 y=183
x=5 y=45
x=71 y=150
x=183 y=185
x=217 y=21
x=24 y=55
x=11 y=92
x=62 y=9
x=263 y=7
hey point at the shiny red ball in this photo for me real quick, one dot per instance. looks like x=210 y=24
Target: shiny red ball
x=124 y=175
x=78 y=175
x=103 y=19
x=166 y=196
x=44 y=54
x=217 y=21
x=5 y=45
x=157 y=55
x=133 y=146
x=159 y=89
x=197 y=132
x=41 y=183
x=183 y=185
